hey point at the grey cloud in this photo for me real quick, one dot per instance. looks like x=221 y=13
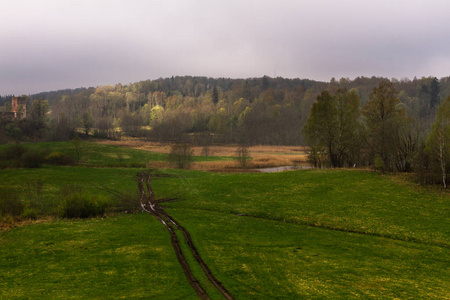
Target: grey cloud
x=62 y=44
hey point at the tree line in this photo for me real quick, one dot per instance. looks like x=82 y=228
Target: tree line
x=250 y=111
x=340 y=132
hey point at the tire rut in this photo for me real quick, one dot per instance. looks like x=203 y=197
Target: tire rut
x=149 y=205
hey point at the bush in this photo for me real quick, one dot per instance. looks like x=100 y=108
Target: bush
x=14 y=152
x=316 y=156
x=10 y=203
x=243 y=156
x=181 y=155
x=379 y=164
x=77 y=205
x=32 y=159
x=29 y=213
x=11 y=156
x=61 y=159
x=17 y=156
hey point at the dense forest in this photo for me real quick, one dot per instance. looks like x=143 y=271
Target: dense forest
x=339 y=119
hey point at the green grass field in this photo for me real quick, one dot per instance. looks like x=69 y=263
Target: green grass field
x=301 y=234
x=100 y=155
x=128 y=256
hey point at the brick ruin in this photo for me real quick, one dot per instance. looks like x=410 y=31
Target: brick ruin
x=19 y=107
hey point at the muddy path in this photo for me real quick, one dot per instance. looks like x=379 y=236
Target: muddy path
x=150 y=204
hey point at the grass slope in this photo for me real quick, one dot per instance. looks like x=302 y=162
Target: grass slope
x=308 y=234
x=344 y=200
x=266 y=259
x=303 y=234
x=128 y=256
x=54 y=179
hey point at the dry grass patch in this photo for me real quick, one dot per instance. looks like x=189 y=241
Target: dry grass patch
x=158 y=164
x=261 y=156
x=221 y=166
x=267 y=161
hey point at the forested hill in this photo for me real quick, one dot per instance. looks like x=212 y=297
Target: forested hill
x=254 y=110
x=250 y=88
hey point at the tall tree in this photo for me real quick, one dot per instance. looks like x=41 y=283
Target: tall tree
x=333 y=125
x=438 y=142
x=349 y=132
x=39 y=110
x=215 y=95
x=87 y=121
x=39 y=118
x=434 y=92
x=383 y=117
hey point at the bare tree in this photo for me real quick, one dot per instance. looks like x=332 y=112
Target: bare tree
x=181 y=155
x=384 y=117
x=243 y=156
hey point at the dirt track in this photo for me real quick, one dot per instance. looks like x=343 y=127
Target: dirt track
x=149 y=203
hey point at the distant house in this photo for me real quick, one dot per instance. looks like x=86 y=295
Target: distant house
x=19 y=107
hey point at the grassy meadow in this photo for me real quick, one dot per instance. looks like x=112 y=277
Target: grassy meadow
x=299 y=234
x=127 y=256
x=314 y=234
x=97 y=154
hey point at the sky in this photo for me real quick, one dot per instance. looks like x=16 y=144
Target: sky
x=48 y=45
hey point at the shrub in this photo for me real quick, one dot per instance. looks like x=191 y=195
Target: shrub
x=17 y=156
x=10 y=203
x=181 y=155
x=379 y=164
x=14 y=152
x=32 y=159
x=316 y=156
x=243 y=156
x=78 y=205
x=11 y=156
x=61 y=159
x=29 y=213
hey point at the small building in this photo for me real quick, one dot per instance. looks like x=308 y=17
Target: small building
x=19 y=107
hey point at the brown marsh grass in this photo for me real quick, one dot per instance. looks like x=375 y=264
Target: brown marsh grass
x=262 y=156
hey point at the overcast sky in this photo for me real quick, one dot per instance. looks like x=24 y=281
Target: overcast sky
x=48 y=45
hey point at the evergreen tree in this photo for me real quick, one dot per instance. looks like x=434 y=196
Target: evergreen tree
x=215 y=95
x=434 y=92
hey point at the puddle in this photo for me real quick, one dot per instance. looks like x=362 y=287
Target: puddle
x=282 y=169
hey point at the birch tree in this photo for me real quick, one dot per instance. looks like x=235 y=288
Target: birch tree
x=438 y=142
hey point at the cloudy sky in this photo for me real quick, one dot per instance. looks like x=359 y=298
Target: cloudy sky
x=48 y=45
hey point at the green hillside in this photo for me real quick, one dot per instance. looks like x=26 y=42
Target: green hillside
x=302 y=234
